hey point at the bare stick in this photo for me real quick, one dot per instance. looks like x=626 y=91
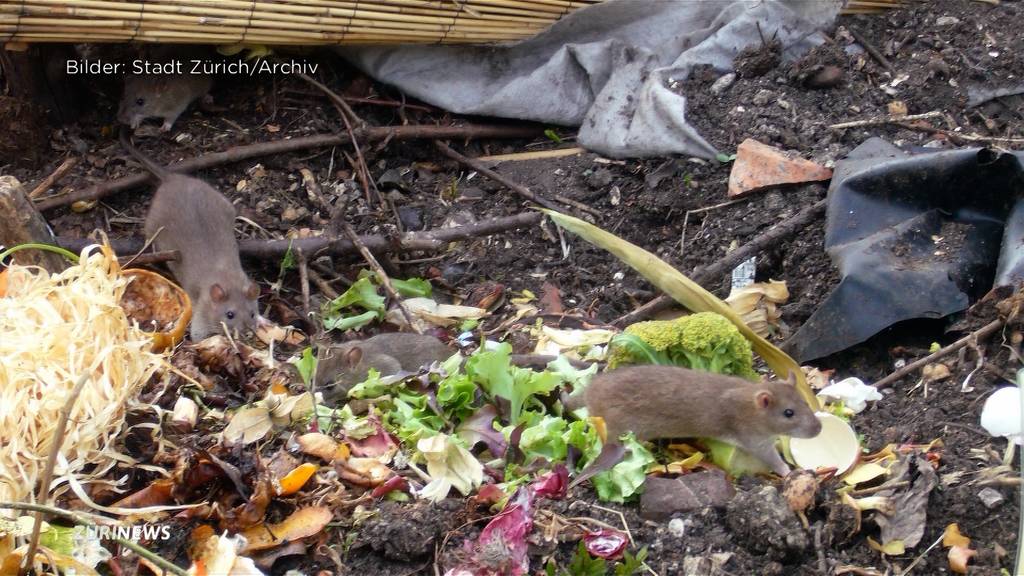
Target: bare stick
x=957 y=137
x=481 y=168
x=303 y=280
x=322 y=284
x=885 y=120
x=348 y=117
x=239 y=153
x=871 y=50
x=432 y=240
x=714 y=272
x=83 y=519
x=381 y=274
x=978 y=334
x=52 y=179
x=51 y=461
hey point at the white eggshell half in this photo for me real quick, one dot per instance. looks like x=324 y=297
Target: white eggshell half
x=1001 y=414
x=836 y=446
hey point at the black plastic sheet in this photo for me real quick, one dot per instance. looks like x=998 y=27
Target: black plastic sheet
x=914 y=235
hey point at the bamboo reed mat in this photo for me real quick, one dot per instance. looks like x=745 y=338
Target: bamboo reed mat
x=300 y=22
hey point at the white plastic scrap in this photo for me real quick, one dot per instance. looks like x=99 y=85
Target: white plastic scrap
x=852 y=392
x=1001 y=414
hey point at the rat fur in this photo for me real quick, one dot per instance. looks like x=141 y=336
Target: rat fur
x=191 y=217
x=671 y=402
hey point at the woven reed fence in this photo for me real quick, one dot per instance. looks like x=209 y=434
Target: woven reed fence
x=302 y=22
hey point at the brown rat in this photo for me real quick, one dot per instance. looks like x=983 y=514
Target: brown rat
x=671 y=402
x=191 y=217
x=349 y=363
x=163 y=96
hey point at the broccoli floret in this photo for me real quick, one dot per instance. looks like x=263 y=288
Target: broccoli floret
x=704 y=341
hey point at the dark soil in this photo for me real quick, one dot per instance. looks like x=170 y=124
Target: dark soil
x=647 y=202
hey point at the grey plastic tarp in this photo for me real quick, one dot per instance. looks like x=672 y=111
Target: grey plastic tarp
x=607 y=68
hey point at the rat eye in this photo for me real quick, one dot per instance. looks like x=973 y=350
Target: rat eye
x=140 y=101
x=231 y=316
x=788 y=412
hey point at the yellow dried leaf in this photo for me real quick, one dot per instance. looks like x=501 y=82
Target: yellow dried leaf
x=296 y=479
x=302 y=523
x=248 y=425
x=892 y=548
x=678 y=466
x=865 y=473
x=323 y=446
x=953 y=537
x=958 y=558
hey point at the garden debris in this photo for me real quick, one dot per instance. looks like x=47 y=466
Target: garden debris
x=762 y=522
x=835 y=447
x=1000 y=416
x=852 y=392
x=614 y=66
x=800 y=488
x=905 y=521
x=759 y=166
x=663 y=497
x=57 y=328
x=939 y=245
x=960 y=552
x=758 y=305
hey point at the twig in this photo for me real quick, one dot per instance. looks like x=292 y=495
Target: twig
x=432 y=240
x=871 y=50
x=52 y=179
x=51 y=461
x=959 y=138
x=83 y=519
x=686 y=218
x=303 y=281
x=577 y=205
x=920 y=557
x=483 y=169
x=705 y=276
x=349 y=117
x=982 y=332
x=387 y=103
x=885 y=120
x=381 y=274
x=322 y=284
x=239 y=153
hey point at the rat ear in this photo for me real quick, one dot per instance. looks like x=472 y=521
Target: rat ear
x=352 y=356
x=764 y=399
x=792 y=378
x=252 y=291
x=217 y=293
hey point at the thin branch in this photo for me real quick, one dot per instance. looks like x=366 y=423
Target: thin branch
x=483 y=169
x=53 y=178
x=878 y=120
x=245 y=152
x=51 y=461
x=381 y=274
x=978 y=334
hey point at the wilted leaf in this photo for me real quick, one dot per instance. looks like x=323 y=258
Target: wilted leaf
x=953 y=537
x=368 y=472
x=430 y=312
x=553 y=484
x=157 y=493
x=908 y=523
x=449 y=465
x=865 y=473
x=302 y=523
x=392 y=484
x=607 y=544
x=891 y=548
x=480 y=428
x=556 y=341
x=686 y=292
x=322 y=446
x=220 y=556
x=248 y=425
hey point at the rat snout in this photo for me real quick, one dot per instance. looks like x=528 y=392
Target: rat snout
x=809 y=428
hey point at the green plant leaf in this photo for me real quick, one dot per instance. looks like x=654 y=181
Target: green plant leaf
x=583 y=564
x=306 y=365
x=343 y=323
x=725 y=158
x=686 y=292
x=553 y=136
x=413 y=287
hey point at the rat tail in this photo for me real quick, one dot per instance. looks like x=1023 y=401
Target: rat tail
x=157 y=170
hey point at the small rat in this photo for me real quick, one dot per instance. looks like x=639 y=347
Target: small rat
x=190 y=216
x=671 y=402
x=349 y=363
x=163 y=96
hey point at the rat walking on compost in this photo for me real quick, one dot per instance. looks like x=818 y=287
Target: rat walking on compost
x=191 y=217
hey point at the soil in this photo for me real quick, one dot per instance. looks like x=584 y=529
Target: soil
x=943 y=51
